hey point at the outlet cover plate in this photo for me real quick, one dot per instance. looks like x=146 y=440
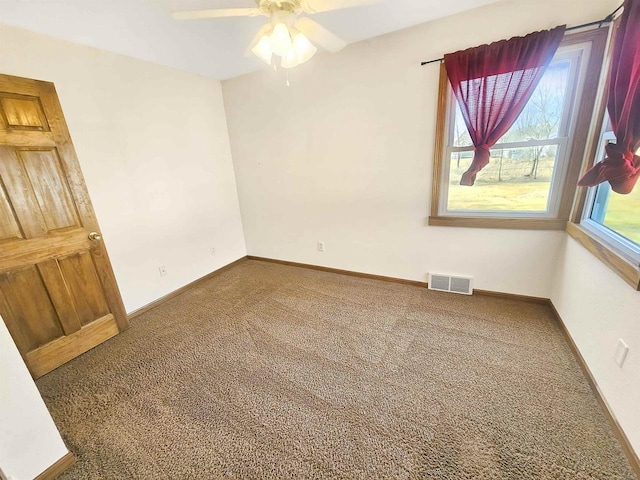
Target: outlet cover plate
x=621 y=352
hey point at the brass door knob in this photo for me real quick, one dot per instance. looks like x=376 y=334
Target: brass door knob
x=95 y=237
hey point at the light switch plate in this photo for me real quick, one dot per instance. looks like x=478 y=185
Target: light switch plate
x=621 y=352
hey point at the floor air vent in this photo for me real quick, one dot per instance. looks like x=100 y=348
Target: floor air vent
x=449 y=283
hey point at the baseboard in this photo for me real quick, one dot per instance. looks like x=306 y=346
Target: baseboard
x=58 y=468
x=488 y=293
x=175 y=293
x=340 y=272
x=632 y=456
x=512 y=296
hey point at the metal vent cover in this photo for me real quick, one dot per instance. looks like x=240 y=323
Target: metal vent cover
x=439 y=282
x=451 y=283
x=461 y=285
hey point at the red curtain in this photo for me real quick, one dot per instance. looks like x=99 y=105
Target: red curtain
x=621 y=167
x=493 y=83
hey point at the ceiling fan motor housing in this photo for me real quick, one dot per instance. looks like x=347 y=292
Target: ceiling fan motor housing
x=271 y=7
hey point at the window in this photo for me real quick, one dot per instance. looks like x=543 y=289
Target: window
x=614 y=217
x=604 y=222
x=618 y=216
x=530 y=181
x=609 y=223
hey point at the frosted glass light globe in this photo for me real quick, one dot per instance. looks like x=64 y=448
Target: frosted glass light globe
x=290 y=60
x=303 y=47
x=263 y=50
x=280 y=40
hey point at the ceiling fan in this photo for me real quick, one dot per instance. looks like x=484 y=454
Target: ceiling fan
x=288 y=35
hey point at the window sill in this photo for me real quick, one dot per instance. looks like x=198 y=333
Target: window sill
x=504 y=223
x=629 y=272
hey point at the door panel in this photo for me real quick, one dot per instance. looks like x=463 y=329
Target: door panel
x=31 y=315
x=84 y=286
x=22 y=112
x=20 y=194
x=58 y=294
x=9 y=228
x=50 y=188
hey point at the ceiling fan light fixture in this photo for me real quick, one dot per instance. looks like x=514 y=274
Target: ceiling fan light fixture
x=290 y=60
x=263 y=50
x=280 y=40
x=303 y=48
x=283 y=36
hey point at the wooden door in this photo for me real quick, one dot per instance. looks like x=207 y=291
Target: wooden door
x=58 y=294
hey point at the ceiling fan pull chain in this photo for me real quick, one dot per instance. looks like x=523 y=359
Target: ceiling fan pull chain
x=288 y=83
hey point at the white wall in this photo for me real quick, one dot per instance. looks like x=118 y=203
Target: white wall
x=29 y=440
x=154 y=149
x=345 y=156
x=599 y=308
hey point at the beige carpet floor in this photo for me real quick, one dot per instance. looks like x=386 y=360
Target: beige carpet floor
x=269 y=371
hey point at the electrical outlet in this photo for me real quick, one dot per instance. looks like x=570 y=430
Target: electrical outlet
x=621 y=352
x=213 y=251
x=163 y=270
x=321 y=246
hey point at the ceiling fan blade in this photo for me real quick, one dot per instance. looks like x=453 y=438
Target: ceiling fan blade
x=320 y=35
x=216 y=13
x=263 y=31
x=317 y=6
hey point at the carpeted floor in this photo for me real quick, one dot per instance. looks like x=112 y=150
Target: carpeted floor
x=268 y=371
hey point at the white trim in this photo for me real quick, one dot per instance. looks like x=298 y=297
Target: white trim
x=623 y=245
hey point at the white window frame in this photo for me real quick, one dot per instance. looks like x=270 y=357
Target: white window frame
x=625 y=247
x=578 y=55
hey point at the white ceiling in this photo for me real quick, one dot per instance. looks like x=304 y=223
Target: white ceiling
x=144 y=29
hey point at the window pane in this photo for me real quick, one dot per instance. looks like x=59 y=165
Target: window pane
x=620 y=213
x=461 y=136
x=517 y=179
x=541 y=118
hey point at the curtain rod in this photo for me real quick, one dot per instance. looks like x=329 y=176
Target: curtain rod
x=608 y=19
